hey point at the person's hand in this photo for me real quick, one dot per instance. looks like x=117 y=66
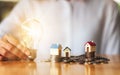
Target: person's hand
x=11 y=49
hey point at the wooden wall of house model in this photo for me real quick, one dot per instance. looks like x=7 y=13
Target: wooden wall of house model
x=55 y=52
x=67 y=52
x=90 y=49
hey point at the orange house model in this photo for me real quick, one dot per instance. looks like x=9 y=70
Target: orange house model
x=67 y=51
x=90 y=49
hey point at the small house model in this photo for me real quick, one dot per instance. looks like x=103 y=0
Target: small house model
x=90 y=49
x=67 y=52
x=55 y=52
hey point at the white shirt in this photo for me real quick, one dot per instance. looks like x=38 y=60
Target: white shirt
x=71 y=24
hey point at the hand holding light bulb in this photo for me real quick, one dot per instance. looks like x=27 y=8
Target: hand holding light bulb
x=21 y=45
x=31 y=31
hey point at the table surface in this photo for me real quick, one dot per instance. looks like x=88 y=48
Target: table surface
x=49 y=68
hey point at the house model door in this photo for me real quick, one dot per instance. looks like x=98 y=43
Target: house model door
x=67 y=54
x=88 y=49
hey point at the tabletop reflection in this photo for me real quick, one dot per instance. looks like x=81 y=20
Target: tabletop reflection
x=89 y=70
x=17 y=68
x=50 y=68
x=55 y=69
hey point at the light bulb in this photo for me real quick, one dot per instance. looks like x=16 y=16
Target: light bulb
x=31 y=32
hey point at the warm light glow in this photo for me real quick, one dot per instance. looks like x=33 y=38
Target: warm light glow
x=31 y=25
x=31 y=30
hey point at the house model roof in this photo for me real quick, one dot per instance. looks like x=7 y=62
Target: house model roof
x=91 y=43
x=67 y=48
x=56 y=46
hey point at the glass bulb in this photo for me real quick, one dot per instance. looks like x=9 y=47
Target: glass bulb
x=31 y=32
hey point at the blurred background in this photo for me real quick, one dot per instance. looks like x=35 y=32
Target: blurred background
x=7 y=5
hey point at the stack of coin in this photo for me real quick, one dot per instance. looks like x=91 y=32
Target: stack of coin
x=55 y=58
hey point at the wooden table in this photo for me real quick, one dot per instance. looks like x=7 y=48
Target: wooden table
x=47 y=68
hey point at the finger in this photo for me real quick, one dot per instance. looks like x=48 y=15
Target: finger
x=5 y=45
x=1 y=57
x=15 y=42
x=10 y=55
x=11 y=39
x=23 y=49
x=18 y=53
x=7 y=54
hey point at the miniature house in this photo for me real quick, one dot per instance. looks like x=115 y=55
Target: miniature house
x=90 y=48
x=55 y=49
x=67 y=51
x=55 y=52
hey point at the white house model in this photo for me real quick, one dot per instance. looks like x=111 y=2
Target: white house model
x=67 y=52
x=56 y=49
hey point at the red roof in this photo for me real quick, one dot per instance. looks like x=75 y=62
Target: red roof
x=91 y=43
